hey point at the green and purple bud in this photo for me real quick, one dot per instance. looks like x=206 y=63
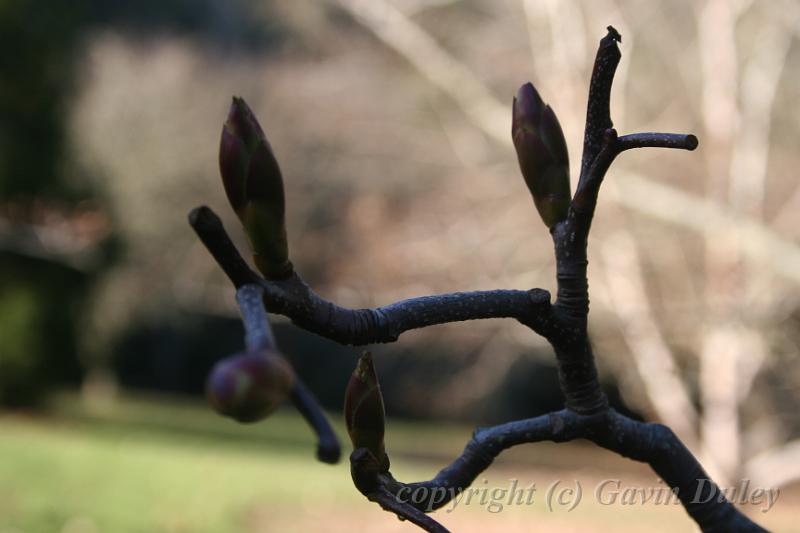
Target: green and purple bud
x=254 y=186
x=248 y=387
x=542 y=154
x=364 y=412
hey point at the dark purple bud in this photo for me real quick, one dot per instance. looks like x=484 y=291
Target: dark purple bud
x=249 y=386
x=254 y=186
x=542 y=154
x=364 y=411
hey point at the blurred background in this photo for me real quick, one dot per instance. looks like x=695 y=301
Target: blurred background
x=391 y=121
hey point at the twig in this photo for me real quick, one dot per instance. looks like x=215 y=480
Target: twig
x=293 y=298
x=328 y=448
x=598 y=114
x=259 y=336
x=405 y=511
x=209 y=228
x=654 y=444
x=680 y=141
x=257 y=330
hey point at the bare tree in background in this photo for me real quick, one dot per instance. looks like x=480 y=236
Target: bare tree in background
x=248 y=386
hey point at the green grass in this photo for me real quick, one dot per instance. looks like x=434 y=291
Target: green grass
x=52 y=475
x=145 y=466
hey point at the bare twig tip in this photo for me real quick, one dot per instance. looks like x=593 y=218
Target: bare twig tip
x=203 y=216
x=539 y=296
x=329 y=454
x=691 y=142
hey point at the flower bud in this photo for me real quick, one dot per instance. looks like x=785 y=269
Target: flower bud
x=254 y=186
x=249 y=386
x=364 y=411
x=542 y=154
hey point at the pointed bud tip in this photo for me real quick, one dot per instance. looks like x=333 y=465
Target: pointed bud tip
x=527 y=89
x=238 y=105
x=527 y=109
x=242 y=122
x=527 y=95
x=365 y=368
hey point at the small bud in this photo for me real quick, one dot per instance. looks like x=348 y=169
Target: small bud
x=254 y=186
x=248 y=387
x=542 y=154
x=364 y=411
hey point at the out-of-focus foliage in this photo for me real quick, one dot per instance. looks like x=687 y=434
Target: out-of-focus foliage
x=36 y=71
x=41 y=291
x=41 y=304
x=55 y=224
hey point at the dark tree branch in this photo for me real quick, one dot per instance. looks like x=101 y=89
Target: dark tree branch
x=653 y=444
x=257 y=330
x=404 y=511
x=293 y=298
x=209 y=228
x=258 y=336
x=328 y=448
x=585 y=199
x=680 y=141
x=658 y=446
x=598 y=113
x=479 y=453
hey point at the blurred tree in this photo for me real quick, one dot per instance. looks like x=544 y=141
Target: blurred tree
x=37 y=74
x=44 y=238
x=41 y=302
x=41 y=291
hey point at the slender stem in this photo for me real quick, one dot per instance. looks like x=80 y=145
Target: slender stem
x=653 y=444
x=257 y=330
x=680 y=141
x=598 y=113
x=259 y=336
x=291 y=297
x=389 y=502
x=585 y=199
x=294 y=299
x=209 y=228
x=328 y=448
x=479 y=453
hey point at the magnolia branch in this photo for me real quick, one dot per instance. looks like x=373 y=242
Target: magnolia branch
x=654 y=444
x=294 y=299
x=542 y=152
x=258 y=335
